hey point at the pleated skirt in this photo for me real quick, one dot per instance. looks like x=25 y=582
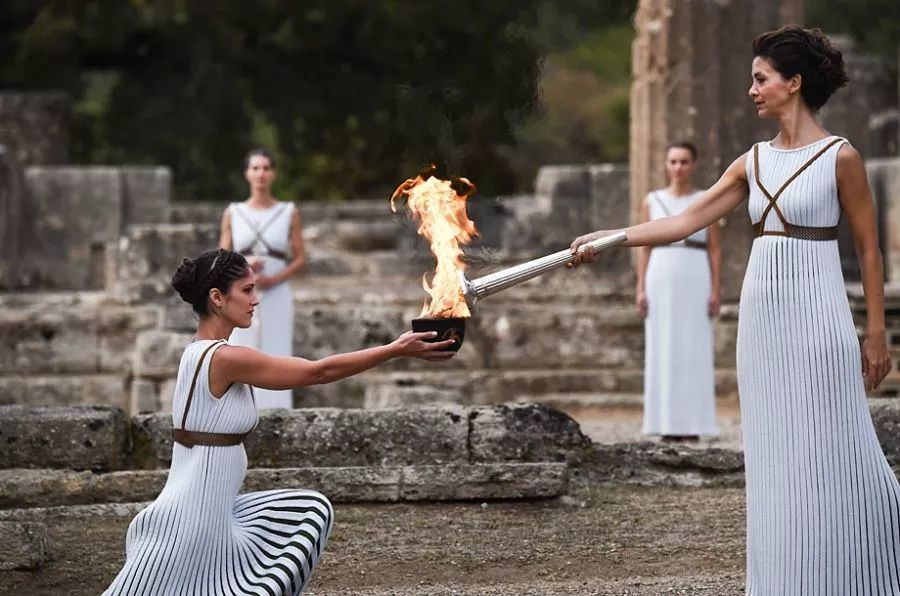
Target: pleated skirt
x=823 y=505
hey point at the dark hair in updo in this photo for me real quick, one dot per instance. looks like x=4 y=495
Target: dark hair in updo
x=212 y=269
x=260 y=152
x=692 y=149
x=793 y=50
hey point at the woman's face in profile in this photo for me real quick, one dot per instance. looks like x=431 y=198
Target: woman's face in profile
x=679 y=164
x=259 y=173
x=769 y=90
x=241 y=300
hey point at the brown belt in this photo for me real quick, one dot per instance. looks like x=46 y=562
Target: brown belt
x=799 y=232
x=687 y=244
x=269 y=253
x=189 y=438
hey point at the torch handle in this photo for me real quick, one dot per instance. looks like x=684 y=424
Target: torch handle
x=505 y=278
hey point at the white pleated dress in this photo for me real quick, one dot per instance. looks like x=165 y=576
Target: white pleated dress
x=679 y=379
x=200 y=537
x=259 y=232
x=823 y=506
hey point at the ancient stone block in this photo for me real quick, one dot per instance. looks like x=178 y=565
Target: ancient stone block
x=74 y=212
x=340 y=485
x=35 y=126
x=63 y=390
x=118 y=330
x=398 y=396
x=56 y=338
x=150 y=254
x=326 y=437
x=23 y=545
x=144 y=396
x=146 y=192
x=76 y=437
x=886 y=418
x=493 y=481
x=884 y=179
x=157 y=354
x=525 y=433
x=365 y=236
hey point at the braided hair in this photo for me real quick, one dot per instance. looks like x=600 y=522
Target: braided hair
x=211 y=269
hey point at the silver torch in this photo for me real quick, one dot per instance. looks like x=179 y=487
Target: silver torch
x=474 y=290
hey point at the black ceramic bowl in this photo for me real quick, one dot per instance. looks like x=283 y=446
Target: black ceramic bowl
x=453 y=328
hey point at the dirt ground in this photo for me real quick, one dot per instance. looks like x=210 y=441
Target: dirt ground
x=610 y=541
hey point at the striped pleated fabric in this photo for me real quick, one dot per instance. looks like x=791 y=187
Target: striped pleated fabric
x=200 y=537
x=823 y=506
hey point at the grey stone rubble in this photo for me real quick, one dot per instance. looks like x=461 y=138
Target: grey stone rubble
x=23 y=545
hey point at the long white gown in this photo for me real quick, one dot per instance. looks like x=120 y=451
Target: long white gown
x=257 y=232
x=823 y=506
x=679 y=379
x=201 y=537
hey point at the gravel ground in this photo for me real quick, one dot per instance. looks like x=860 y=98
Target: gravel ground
x=622 y=541
x=623 y=425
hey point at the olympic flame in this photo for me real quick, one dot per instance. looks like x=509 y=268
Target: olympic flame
x=439 y=207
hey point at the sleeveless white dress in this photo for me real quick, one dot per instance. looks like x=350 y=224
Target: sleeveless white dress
x=256 y=232
x=679 y=379
x=199 y=537
x=823 y=506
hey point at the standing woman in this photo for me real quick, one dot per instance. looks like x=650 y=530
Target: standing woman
x=678 y=294
x=823 y=505
x=266 y=231
x=200 y=536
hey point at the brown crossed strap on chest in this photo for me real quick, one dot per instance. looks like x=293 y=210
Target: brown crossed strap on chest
x=790 y=230
x=189 y=438
x=258 y=233
x=687 y=242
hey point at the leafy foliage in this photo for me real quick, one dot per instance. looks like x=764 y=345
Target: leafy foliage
x=352 y=96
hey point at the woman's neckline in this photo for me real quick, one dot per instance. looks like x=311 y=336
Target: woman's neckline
x=666 y=193
x=247 y=204
x=807 y=146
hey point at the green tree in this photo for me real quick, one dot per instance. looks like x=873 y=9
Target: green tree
x=353 y=96
x=874 y=24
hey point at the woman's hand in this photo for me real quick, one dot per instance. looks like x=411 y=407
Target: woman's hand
x=256 y=265
x=876 y=361
x=587 y=254
x=715 y=304
x=641 y=303
x=413 y=345
x=264 y=282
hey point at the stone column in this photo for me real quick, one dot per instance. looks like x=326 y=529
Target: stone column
x=691 y=69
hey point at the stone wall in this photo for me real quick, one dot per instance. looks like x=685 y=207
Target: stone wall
x=35 y=127
x=75 y=216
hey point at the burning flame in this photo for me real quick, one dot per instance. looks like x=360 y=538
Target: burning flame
x=441 y=213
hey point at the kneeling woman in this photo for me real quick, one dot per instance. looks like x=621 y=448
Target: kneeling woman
x=200 y=536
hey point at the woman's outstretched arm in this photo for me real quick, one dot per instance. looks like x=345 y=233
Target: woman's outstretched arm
x=237 y=364
x=716 y=202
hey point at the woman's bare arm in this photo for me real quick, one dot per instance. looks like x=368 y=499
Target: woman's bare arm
x=643 y=259
x=714 y=248
x=297 y=250
x=237 y=364
x=856 y=199
x=716 y=202
x=225 y=231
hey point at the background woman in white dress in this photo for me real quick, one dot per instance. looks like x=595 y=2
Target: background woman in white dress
x=823 y=505
x=268 y=232
x=678 y=294
x=200 y=536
